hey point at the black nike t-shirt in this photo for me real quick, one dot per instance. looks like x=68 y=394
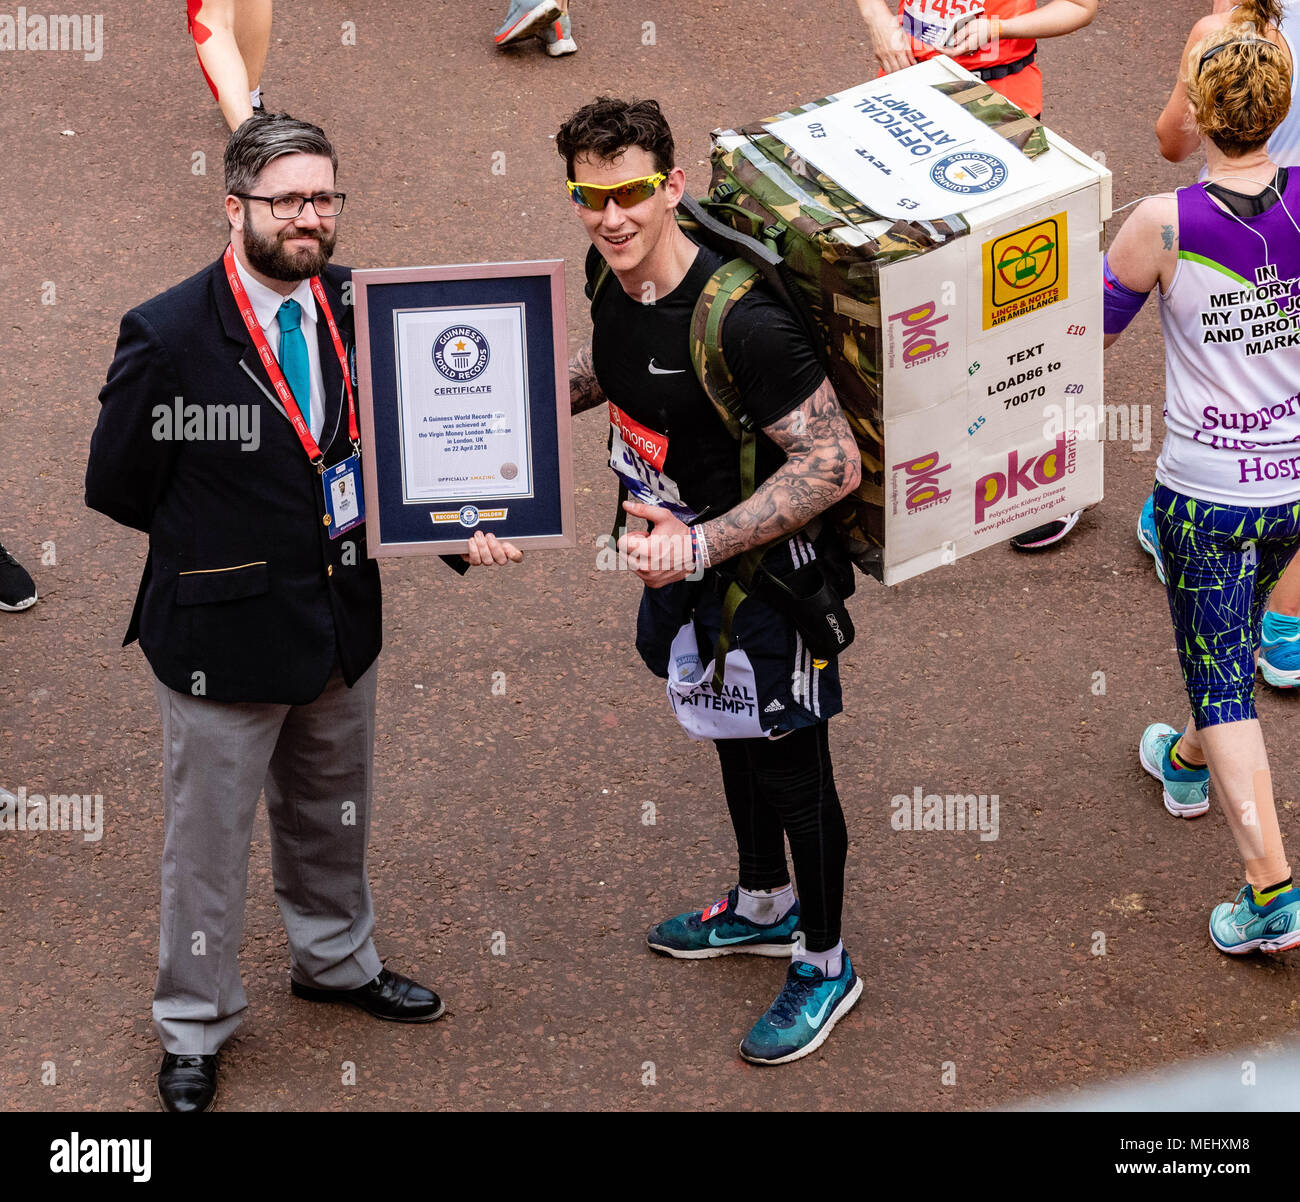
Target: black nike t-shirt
x=667 y=440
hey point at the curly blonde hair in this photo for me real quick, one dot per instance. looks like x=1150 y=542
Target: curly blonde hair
x=1241 y=94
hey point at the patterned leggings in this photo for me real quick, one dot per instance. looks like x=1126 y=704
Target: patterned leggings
x=1221 y=563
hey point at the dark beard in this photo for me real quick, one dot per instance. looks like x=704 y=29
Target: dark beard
x=268 y=256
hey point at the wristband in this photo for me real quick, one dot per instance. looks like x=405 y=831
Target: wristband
x=700 y=547
x=995 y=29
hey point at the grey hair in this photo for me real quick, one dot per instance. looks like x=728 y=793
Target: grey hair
x=262 y=138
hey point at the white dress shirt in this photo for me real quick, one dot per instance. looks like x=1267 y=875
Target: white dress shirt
x=266 y=304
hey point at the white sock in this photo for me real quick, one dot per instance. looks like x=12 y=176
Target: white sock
x=830 y=962
x=256 y=95
x=765 y=905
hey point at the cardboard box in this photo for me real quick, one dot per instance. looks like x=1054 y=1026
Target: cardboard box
x=980 y=347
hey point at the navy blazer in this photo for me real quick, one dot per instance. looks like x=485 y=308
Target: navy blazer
x=244 y=597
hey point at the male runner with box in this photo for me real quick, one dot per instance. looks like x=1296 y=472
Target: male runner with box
x=672 y=450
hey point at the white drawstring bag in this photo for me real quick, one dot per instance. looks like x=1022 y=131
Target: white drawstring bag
x=703 y=714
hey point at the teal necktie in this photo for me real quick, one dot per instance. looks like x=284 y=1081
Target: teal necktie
x=293 y=357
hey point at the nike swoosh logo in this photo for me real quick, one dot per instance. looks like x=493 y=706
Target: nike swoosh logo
x=663 y=371
x=718 y=940
x=815 y=1020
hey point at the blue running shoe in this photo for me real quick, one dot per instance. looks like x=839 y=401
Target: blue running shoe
x=1147 y=535
x=1187 y=792
x=1241 y=926
x=526 y=19
x=558 y=37
x=1279 y=650
x=720 y=931
x=804 y=1012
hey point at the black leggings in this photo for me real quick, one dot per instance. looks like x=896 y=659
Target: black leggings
x=786 y=787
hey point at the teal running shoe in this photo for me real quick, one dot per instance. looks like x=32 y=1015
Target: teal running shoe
x=1147 y=535
x=1187 y=792
x=720 y=931
x=526 y=19
x=558 y=37
x=1241 y=926
x=805 y=1010
x=1279 y=650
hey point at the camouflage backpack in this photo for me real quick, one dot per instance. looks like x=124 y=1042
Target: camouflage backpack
x=820 y=250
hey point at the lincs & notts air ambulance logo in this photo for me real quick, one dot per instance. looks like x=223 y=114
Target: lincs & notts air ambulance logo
x=460 y=353
x=1025 y=270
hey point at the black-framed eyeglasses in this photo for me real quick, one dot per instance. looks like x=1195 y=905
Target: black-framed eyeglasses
x=286 y=208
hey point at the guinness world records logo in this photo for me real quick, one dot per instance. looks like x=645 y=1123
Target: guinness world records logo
x=969 y=171
x=460 y=353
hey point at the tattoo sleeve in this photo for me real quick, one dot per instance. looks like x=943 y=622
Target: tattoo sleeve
x=822 y=464
x=584 y=390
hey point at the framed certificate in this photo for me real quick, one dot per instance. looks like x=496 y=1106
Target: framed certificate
x=463 y=391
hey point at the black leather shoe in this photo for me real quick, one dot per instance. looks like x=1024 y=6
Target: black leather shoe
x=187 y=1082
x=389 y=996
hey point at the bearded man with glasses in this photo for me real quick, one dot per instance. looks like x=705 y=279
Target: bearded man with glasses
x=228 y=431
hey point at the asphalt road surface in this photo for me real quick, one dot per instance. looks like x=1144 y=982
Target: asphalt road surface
x=515 y=822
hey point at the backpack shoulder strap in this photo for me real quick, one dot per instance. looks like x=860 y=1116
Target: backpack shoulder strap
x=718 y=297
x=720 y=294
x=597 y=272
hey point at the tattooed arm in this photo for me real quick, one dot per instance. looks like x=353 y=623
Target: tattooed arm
x=822 y=464
x=1145 y=251
x=584 y=390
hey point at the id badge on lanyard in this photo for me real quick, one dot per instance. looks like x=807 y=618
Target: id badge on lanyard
x=344 y=501
x=935 y=21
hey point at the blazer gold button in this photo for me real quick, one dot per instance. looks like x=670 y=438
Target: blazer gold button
x=326 y=519
x=331 y=569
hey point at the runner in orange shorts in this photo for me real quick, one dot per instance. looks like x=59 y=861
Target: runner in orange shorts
x=232 y=38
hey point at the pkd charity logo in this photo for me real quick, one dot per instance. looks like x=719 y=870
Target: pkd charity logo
x=1025 y=270
x=460 y=353
x=1024 y=475
x=921 y=480
x=920 y=329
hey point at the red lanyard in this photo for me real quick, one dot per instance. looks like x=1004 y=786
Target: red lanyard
x=278 y=382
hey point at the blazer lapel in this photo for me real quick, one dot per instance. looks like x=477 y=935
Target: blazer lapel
x=232 y=322
x=331 y=375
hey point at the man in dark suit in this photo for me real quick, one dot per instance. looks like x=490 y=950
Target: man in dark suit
x=228 y=400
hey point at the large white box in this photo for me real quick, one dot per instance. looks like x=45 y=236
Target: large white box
x=989 y=342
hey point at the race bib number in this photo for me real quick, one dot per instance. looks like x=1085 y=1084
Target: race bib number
x=637 y=455
x=935 y=21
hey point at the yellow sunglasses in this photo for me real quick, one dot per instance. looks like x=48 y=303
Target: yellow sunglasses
x=630 y=192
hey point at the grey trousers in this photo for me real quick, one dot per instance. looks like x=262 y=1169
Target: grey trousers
x=316 y=763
